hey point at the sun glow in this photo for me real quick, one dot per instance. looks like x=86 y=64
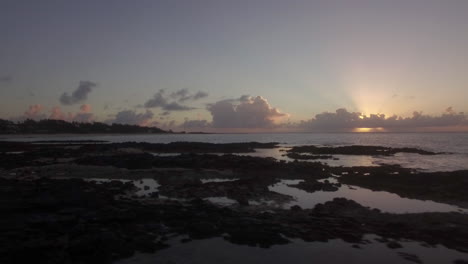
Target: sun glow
x=368 y=129
x=371 y=90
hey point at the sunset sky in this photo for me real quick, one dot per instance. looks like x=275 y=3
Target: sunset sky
x=244 y=65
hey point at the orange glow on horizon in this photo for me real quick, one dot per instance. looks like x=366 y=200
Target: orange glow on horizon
x=368 y=129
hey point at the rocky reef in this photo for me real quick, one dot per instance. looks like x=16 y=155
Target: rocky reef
x=77 y=202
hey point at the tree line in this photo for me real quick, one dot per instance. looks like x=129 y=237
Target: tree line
x=50 y=126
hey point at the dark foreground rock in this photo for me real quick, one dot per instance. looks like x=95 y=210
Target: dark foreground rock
x=314 y=186
x=74 y=221
x=47 y=220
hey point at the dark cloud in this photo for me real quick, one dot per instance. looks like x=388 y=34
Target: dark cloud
x=183 y=95
x=244 y=98
x=131 y=117
x=174 y=106
x=6 y=79
x=159 y=100
x=200 y=95
x=79 y=95
x=341 y=119
x=245 y=112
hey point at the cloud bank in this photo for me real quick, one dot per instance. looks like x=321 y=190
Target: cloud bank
x=79 y=95
x=343 y=120
x=247 y=114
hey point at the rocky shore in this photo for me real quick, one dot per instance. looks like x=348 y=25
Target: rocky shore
x=358 y=150
x=55 y=210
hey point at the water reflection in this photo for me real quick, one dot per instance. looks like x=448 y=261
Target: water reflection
x=219 y=180
x=146 y=187
x=217 y=250
x=429 y=163
x=385 y=201
x=223 y=201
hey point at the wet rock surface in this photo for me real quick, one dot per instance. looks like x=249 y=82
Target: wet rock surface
x=314 y=186
x=50 y=214
x=242 y=191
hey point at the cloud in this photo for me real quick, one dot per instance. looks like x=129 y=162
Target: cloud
x=195 y=124
x=79 y=95
x=57 y=114
x=6 y=79
x=183 y=95
x=83 y=116
x=200 y=95
x=159 y=100
x=245 y=112
x=342 y=119
x=176 y=107
x=85 y=108
x=34 y=112
x=131 y=117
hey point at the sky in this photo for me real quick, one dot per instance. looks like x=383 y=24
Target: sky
x=244 y=65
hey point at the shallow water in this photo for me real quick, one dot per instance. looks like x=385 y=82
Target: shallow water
x=217 y=250
x=151 y=186
x=219 y=180
x=427 y=163
x=384 y=201
x=222 y=201
x=439 y=142
x=456 y=143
